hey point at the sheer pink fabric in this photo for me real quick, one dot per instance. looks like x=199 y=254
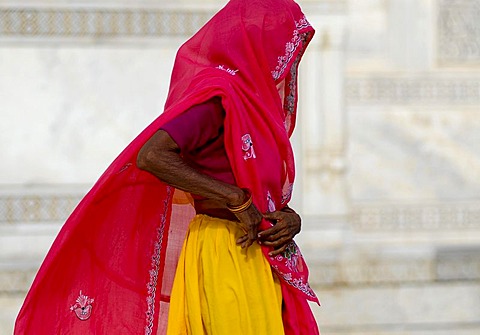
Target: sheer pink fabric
x=110 y=270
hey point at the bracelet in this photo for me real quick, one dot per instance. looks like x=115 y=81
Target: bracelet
x=243 y=207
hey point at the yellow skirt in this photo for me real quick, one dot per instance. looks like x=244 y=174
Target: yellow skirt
x=220 y=288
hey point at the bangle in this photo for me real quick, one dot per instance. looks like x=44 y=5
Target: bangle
x=243 y=207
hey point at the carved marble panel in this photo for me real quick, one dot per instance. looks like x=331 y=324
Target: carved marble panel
x=417 y=217
x=414 y=154
x=372 y=271
x=33 y=208
x=99 y=22
x=458 y=32
x=432 y=89
x=16 y=279
x=459 y=263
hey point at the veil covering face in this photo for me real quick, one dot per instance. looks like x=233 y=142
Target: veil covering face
x=111 y=268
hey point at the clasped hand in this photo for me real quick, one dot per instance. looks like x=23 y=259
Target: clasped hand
x=286 y=224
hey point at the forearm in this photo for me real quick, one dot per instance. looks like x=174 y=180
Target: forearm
x=172 y=169
x=161 y=157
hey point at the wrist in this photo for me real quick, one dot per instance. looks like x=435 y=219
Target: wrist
x=242 y=206
x=236 y=198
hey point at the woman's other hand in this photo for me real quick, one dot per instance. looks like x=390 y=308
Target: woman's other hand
x=287 y=224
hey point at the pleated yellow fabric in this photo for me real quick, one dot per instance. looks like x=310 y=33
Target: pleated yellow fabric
x=220 y=288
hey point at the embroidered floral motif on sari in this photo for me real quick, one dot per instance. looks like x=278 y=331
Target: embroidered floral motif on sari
x=291 y=47
x=295 y=264
x=83 y=307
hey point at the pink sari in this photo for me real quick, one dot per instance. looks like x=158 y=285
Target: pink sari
x=111 y=268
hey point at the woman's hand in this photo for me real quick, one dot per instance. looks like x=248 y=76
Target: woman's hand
x=249 y=221
x=287 y=224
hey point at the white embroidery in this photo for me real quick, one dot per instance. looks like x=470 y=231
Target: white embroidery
x=228 y=70
x=152 y=284
x=271 y=203
x=247 y=146
x=289 y=105
x=290 y=48
x=287 y=192
x=298 y=283
x=290 y=256
x=83 y=307
x=124 y=168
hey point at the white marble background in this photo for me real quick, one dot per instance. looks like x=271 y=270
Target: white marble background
x=67 y=111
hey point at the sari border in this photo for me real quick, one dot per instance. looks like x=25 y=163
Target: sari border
x=155 y=267
x=290 y=47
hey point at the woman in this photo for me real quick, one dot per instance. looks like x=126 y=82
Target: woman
x=112 y=267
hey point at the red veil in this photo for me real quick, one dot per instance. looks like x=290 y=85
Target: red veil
x=111 y=268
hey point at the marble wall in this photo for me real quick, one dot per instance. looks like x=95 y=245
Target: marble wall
x=387 y=144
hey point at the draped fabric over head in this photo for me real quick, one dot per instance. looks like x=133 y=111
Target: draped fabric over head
x=111 y=268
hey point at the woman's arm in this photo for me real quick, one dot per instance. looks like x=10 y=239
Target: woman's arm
x=160 y=156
